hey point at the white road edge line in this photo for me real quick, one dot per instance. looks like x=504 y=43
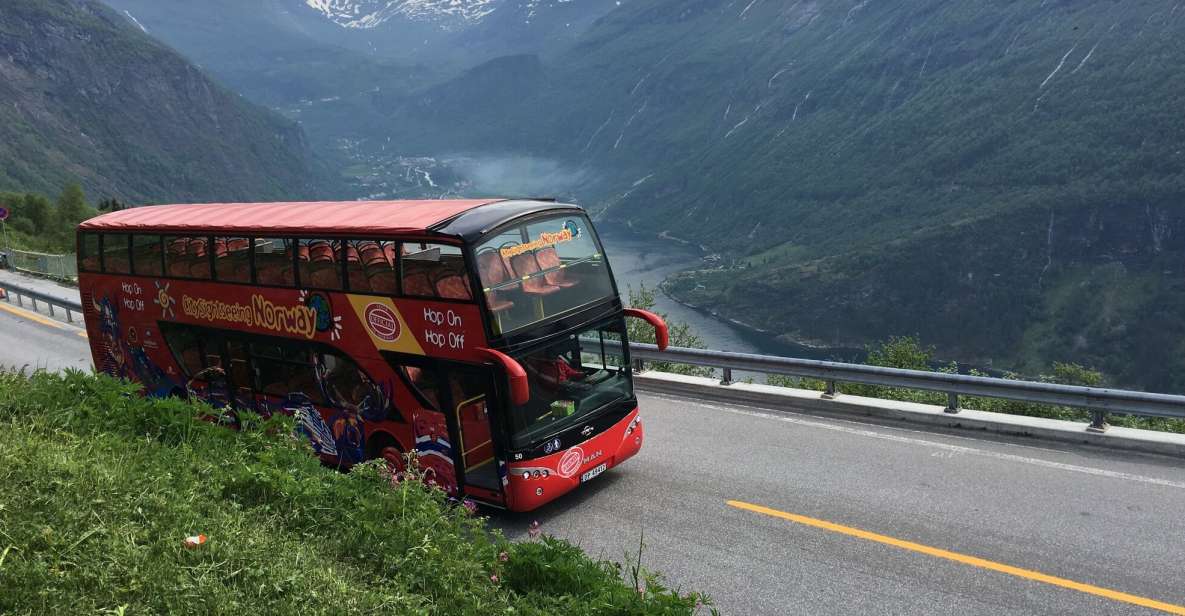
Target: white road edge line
x=1098 y=472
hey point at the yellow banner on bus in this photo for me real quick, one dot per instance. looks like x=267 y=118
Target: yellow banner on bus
x=385 y=325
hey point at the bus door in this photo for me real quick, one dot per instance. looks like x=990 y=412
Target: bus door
x=471 y=401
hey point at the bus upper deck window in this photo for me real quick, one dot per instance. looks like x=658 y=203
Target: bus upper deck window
x=88 y=252
x=435 y=270
x=273 y=262
x=232 y=261
x=115 y=254
x=146 y=257
x=319 y=263
x=187 y=257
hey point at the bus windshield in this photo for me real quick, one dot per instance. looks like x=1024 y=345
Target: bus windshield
x=540 y=269
x=570 y=380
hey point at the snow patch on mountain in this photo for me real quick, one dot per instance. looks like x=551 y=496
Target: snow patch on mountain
x=365 y=14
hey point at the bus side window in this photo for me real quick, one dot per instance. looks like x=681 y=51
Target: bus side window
x=232 y=261
x=187 y=257
x=435 y=270
x=273 y=262
x=146 y=259
x=186 y=345
x=285 y=368
x=379 y=266
x=320 y=264
x=88 y=248
x=424 y=384
x=356 y=268
x=198 y=250
x=115 y=254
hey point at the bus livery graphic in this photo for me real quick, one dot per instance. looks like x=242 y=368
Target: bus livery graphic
x=495 y=351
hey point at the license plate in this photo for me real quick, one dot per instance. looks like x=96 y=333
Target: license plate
x=600 y=468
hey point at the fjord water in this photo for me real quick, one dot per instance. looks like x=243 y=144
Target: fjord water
x=639 y=261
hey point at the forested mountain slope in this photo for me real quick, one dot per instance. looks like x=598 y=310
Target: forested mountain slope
x=1004 y=179
x=86 y=96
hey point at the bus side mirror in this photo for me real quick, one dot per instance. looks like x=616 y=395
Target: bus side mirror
x=662 y=334
x=520 y=392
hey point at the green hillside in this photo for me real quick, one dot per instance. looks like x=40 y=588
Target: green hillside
x=86 y=96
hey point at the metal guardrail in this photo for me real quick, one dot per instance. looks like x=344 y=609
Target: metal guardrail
x=10 y=290
x=1099 y=401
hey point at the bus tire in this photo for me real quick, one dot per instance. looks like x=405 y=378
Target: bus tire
x=384 y=446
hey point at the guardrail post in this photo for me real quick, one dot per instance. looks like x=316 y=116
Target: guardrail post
x=727 y=379
x=19 y=301
x=51 y=313
x=952 y=403
x=638 y=367
x=830 y=392
x=1098 y=421
x=69 y=316
x=34 y=300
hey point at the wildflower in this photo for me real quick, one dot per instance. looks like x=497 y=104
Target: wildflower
x=494 y=578
x=503 y=557
x=470 y=506
x=533 y=530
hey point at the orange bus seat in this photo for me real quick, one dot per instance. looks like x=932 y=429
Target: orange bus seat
x=452 y=286
x=549 y=259
x=178 y=257
x=355 y=270
x=493 y=272
x=199 y=264
x=417 y=283
x=526 y=267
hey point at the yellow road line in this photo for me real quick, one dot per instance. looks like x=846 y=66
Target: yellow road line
x=32 y=316
x=963 y=558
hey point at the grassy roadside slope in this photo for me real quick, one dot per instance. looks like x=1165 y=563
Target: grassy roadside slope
x=99 y=487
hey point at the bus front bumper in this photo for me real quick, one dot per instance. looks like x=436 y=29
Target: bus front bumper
x=532 y=483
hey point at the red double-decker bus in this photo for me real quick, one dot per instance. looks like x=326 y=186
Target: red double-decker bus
x=487 y=336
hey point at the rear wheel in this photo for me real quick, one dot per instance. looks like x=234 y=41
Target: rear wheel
x=384 y=446
x=393 y=456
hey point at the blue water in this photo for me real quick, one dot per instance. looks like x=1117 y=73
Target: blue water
x=638 y=260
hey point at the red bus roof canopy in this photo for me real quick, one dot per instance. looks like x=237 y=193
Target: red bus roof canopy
x=299 y=218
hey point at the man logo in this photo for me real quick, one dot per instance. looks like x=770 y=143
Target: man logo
x=587 y=430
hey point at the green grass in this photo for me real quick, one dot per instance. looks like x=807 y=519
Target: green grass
x=99 y=488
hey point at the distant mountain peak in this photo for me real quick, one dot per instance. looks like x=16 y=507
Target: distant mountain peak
x=366 y=14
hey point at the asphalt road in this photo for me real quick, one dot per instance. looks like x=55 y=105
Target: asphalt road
x=1116 y=521
x=35 y=340
x=859 y=518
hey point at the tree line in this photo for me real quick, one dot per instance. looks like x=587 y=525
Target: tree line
x=39 y=223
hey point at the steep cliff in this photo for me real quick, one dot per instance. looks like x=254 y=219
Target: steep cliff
x=87 y=96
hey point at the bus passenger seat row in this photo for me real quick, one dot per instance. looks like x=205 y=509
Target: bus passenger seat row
x=494 y=272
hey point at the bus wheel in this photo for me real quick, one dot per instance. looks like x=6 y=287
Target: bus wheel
x=396 y=463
